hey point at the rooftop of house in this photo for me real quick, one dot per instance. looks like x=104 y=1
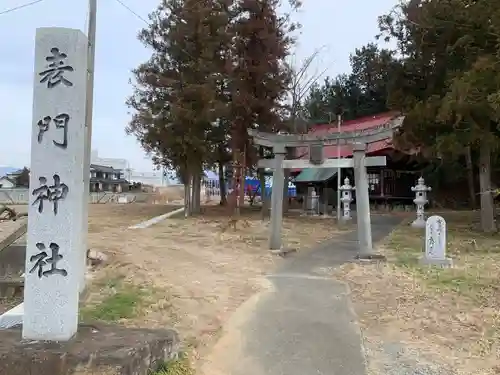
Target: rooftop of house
x=360 y=124
x=15 y=172
x=103 y=168
x=6 y=178
x=107 y=180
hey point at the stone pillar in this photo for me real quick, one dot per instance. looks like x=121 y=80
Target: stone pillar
x=54 y=238
x=362 y=199
x=277 y=199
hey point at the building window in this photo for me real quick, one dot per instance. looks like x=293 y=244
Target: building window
x=389 y=182
x=374 y=183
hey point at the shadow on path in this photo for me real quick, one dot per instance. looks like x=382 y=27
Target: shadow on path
x=304 y=323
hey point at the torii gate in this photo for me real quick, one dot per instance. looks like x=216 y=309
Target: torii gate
x=280 y=142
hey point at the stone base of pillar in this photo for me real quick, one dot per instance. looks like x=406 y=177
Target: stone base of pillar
x=97 y=348
x=418 y=223
x=443 y=263
x=370 y=258
x=283 y=252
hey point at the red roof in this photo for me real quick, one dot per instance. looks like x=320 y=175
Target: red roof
x=362 y=123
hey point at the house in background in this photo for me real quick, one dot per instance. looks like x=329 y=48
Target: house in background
x=107 y=179
x=102 y=179
x=15 y=178
x=15 y=174
x=4 y=170
x=7 y=183
x=153 y=178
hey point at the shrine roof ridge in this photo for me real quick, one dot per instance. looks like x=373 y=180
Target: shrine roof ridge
x=369 y=135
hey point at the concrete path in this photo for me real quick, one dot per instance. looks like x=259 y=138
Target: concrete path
x=303 y=324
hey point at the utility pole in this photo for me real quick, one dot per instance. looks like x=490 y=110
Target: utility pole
x=89 y=101
x=89 y=96
x=339 y=170
x=91 y=67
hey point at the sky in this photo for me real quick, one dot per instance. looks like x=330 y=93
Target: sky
x=336 y=26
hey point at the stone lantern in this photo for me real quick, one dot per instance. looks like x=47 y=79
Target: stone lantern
x=420 y=201
x=346 y=199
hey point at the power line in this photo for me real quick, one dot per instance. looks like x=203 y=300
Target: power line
x=131 y=11
x=20 y=7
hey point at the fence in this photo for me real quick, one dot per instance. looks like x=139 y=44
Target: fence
x=21 y=196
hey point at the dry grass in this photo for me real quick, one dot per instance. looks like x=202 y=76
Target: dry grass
x=198 y=273
x=451 y=316
x=105 y=217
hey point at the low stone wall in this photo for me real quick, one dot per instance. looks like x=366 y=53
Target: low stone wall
x=21 y=196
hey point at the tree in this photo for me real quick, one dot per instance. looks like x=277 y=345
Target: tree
x=370 y=78
x=362 y=92
x=175 y=97
x=301 y=82
x=259 y=77
x=447 y=83
x=217 y=69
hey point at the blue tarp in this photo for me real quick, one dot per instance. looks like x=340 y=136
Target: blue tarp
x=252 y=184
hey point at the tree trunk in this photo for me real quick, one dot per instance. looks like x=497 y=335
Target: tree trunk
x=487 y=207
x=195 y=194
x=198 y=195
x=222 y=185
x=285 y=190
x=470 y=177
x=242 y=180
x=187 y=197
x=289 y=155
x=263 y=195
x=262 y=181
x=236 y=184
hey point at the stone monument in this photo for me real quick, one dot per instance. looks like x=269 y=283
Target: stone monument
x=50 y=342
x=435 y=243
x=54 y=260
x=311 y=202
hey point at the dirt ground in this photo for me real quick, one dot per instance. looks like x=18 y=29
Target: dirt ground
x=101 y=218
x=446 y=318
x=200 y=270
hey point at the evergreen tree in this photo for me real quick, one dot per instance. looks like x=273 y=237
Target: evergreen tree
x=448 y=82
x=362 y=92
x=175 y=97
